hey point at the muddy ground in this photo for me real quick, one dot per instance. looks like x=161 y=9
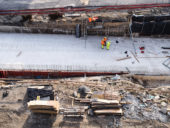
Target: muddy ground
x=149 y=98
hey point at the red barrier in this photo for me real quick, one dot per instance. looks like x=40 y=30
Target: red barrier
x=50 y=74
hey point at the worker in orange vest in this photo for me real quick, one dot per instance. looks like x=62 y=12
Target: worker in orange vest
x=93 y=20
x=105 y=39
x=102 y=43
x=90 y=19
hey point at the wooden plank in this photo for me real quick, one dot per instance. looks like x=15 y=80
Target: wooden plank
x=105 y=106
x=43 y=104
x=103 y=101
x=109 y=111
x=97 y=103
x=125 y=58
x=74 y=116
x=85 y=101
x=124 y=102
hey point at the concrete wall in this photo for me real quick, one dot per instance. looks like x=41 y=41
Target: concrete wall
x=31 y=4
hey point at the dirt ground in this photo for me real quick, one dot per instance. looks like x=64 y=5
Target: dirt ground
x=149 y=98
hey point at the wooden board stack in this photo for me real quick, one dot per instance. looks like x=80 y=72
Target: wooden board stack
x=46 y=107
x=106 y=107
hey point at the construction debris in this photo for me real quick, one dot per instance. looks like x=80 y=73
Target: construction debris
x=75 y=111
x=112 y=100
x=44 y=91
x=5 y=94
x=83 y=91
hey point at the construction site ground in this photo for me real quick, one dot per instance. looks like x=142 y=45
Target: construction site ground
x=68 y=53
x=149 y=98
x=41 y=43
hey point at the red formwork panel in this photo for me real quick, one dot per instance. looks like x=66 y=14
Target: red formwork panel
x=50 y=74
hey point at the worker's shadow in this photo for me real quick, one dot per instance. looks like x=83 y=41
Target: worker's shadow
x=72 y=122
x=39 y=121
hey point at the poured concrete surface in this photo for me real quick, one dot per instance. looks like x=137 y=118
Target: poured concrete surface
x=32 y=4
x=65 y=52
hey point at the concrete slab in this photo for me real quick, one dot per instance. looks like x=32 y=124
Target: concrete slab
x=65 y=52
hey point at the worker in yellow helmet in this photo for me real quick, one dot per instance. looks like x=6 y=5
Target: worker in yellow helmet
x=108 y=45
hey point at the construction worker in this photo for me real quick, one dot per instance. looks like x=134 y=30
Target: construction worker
x=93 y=20
x=102 y=43
x=108 y=45
x=105 y=39
x=90 y=19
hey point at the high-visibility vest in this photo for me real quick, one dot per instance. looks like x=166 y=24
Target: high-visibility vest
x=108 y=44
x=102 y=42
x=90 y=19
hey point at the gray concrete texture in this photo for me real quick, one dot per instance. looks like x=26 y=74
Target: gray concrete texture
x=34 y=4
x=67 y=53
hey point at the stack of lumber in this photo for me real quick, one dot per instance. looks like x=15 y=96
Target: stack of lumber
x=75 y=111
x=105 y=107
x=46 y=107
